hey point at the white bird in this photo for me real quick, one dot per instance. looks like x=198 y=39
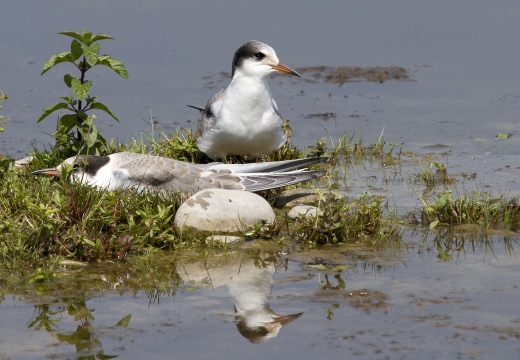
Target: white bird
x=243 y=118
x=154 y=173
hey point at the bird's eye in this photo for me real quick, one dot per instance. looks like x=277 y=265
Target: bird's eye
x=259 y=55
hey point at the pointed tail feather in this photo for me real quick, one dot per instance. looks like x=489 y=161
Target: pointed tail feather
x=201 y=109
x=263 y=181
x=271 y=167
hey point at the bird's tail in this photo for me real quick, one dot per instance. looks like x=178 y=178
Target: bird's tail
x=269 y=167
x=265 y=181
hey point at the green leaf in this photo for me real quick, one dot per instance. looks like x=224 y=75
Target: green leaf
x=72 y=34
x=52 y=109
x=99 y=245
x=502 y=136
x=114 y=64
x=105 y=357
x=56 y=59
x=89 y=242
x=81 y=90
x=70 y=120
x=68 y=99
x=76 y=49
x=67 y=78
x=82 y=115
x=100 y=36
x=91 y=53
x=87 y=37
x=103 y=107
x=89 y=134
x=67 y=123
x=124 y=321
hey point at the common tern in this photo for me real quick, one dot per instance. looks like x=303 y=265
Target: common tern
x=154 y=173
x=243 y=118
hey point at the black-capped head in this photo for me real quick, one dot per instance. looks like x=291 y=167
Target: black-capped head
x=257 y=58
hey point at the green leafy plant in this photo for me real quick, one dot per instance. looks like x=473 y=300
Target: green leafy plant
x=83 y=54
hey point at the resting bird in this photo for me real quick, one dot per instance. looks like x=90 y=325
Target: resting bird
x=154 y=173
x=243 y=118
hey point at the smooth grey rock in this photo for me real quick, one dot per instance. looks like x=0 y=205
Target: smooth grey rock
x=305 y=210
x=219 y=211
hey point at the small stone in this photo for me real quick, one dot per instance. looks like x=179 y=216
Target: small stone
x=224 y=239
x=23 y=162
x=219 y=211
x=304 y=210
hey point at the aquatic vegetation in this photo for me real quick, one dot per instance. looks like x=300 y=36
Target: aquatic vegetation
x=485 y=209
x=352 y=146
x=434 y=174
x=362 y=219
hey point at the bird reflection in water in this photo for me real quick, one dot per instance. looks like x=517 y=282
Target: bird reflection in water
x=249 y=282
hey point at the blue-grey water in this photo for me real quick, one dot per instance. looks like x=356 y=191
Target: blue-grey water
x=464 y=60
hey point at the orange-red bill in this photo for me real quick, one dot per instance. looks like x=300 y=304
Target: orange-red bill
x=286 y=69
x=46 y=172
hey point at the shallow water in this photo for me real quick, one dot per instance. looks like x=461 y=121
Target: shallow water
x=403 y=303
x=361 y=303
x=461 y=58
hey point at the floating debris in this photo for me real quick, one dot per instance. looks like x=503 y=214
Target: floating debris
x=343 y=74
x=324 y=116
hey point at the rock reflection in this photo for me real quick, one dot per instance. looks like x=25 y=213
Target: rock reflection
x=249 y=280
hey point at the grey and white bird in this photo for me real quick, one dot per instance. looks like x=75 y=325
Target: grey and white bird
x=154 y=173
x=243 y=118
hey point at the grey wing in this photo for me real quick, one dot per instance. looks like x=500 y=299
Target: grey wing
x=162 y=174
x=170 y=175
x=210 y=113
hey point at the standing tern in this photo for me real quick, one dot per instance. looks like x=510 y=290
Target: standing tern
x=243 y=118
x=154 y=173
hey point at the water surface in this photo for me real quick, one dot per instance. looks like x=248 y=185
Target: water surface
x=440 y=295
x=416 y=301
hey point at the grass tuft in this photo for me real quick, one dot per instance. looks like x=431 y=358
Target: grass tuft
x=479 y=208
x=364 y=219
